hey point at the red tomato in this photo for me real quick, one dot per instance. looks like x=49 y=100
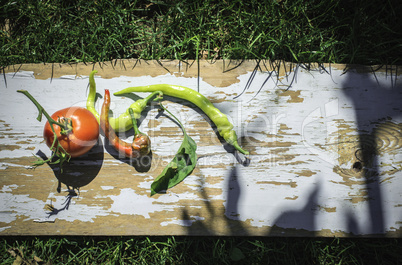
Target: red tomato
x=83 y=136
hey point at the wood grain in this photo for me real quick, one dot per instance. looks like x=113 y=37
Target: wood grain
x=325 y=149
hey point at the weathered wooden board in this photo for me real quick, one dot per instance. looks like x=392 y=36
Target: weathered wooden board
x=325 y=153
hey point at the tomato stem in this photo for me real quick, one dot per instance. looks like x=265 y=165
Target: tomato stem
x=66 y=127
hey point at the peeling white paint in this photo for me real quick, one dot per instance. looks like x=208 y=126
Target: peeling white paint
x=107 y=187
x=287 y=138
x=9 y=188
x=177 y=221
x=14 y=206
x=130 y=203
x=76 y=211
x=4 y=228
x=72 y=77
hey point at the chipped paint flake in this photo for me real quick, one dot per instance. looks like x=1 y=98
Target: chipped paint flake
x=187 y=222
x=325 y=156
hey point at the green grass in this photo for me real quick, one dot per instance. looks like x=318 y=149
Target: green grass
x=300 y=31
x=201 y=250
x=331 y=31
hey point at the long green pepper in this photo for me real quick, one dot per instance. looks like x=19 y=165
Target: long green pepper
x=122 y=123
x=225 y=128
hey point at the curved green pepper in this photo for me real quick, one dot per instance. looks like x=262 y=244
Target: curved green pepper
x=225 y=128
x=124 y=121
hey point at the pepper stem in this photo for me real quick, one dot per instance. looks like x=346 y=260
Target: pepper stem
x=134 y=121
x=148 y=98
x=66 y=126
x=177 y=120
x=143 y=103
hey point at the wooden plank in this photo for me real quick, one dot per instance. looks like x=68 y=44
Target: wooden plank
x=325 y=153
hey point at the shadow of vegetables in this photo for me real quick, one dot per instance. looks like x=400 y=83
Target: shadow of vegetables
x=80 y=171
x=76 y=173
x=141 y=164
x=66 y=204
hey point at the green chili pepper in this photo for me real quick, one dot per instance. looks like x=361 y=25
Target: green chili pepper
x=225 y=128
x=124 y=121
x=92 y=95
